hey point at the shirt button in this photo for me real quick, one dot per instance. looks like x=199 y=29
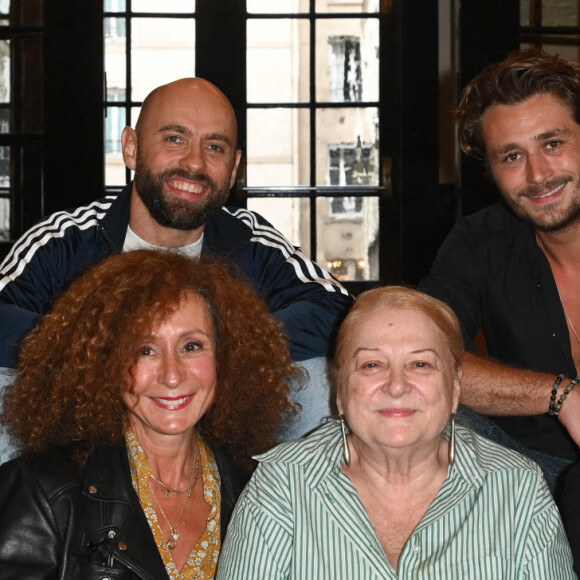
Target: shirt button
x=122 y=546
x=416 y=548
x=92 y=489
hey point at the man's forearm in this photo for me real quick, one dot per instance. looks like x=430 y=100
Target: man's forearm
x=493 y=388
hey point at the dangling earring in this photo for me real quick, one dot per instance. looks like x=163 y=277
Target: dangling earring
x=345 y=449
x=452 y=441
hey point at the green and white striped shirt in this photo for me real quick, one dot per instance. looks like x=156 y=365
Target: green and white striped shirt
x=300 y=518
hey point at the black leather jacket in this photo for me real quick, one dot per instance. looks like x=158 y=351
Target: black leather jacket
x=59 y=523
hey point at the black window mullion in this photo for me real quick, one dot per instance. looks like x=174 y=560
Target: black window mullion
x=220 y=57
x=313 y=111
x=128 y=74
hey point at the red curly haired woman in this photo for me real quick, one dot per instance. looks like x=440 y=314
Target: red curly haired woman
x=141 y=398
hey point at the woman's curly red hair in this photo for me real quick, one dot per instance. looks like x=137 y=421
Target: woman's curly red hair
x=76 y=365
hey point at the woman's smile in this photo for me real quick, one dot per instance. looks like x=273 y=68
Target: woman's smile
x=172 y=403
x=397 y=412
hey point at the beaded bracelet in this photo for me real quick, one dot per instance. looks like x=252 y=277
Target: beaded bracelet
x=556 y=407
x=554 y=392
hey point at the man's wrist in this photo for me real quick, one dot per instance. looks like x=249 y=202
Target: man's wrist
x=555 y=407
x=554 y=392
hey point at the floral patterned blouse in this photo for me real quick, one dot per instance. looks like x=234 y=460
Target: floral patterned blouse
x=202 y=562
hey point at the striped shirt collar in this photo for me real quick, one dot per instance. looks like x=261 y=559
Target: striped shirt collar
x=320 y=455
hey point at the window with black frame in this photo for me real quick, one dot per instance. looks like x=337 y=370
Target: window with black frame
x=313 y=127
x=147 y=44
x=311 y=104
x=21 y=120
x=553 y=25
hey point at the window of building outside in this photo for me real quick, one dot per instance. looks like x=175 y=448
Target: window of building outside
x=344 y=62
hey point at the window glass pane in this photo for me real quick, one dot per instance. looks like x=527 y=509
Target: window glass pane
x=278 y=147
x=118 y=171
x=165 y=6
x=4 y=21
x=4 y=219
x=278 y=60
x=4 y=71
x=5 y=167
x=115 y=171
x=162 y=50
x=567 y=52
x=115 y=55
x=560 y=13
x=347 y=61
x=5 y=121
x=277 y=6
x=347 y=146
x=115 y=6
x=290 y=215
x=115 y=122
x=525 y=15
x=115 y=30
x=347 y=236
x=347 y=5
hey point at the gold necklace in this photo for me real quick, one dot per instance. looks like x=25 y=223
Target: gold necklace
x=173 y=535
x=168 y=491
x=567 y=317
x=559 y=296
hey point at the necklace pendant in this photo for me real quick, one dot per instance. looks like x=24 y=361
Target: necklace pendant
x=175 y=492
x=166 y=494
x=173 y=537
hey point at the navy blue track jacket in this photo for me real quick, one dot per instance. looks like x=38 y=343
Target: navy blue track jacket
x=52 y=254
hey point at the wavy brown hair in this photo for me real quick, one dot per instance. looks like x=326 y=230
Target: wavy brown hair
x=522 y=75
x=75 y=366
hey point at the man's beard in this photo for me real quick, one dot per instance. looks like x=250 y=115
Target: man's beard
x=173 y=212
x=547 y=220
